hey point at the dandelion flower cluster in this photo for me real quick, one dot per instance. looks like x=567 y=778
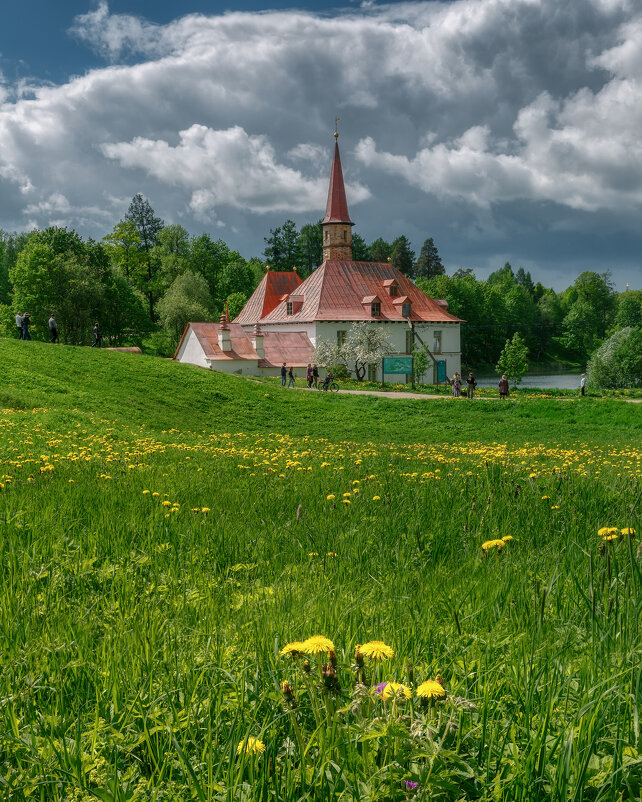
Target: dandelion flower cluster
x=250 y=746
x=431 y=689
x=375 y=650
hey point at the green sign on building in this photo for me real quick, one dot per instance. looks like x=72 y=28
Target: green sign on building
x=397 y=364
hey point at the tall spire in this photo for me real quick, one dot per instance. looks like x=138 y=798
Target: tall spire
x=337 y=225
x=336 y=210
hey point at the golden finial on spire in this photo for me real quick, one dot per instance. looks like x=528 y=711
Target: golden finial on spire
x=336 y=128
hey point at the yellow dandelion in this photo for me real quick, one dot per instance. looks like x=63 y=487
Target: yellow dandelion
x=431 y=689
x=507 y=538
x=293 y=649
x=628 y=530
x=555 y=507
x=546 y=498
x=346 y=500
x=166 y=503
x=376 y=498
x=330 y=497
x=376 y=650
x=395 y=690
x=347 y=495
x=250 y=746
x=493 y=544
x=155 y=495
x=146 y=492
x=317 y=644
x=205 y=510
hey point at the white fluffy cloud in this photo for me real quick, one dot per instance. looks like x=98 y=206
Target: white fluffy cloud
x=227 y=118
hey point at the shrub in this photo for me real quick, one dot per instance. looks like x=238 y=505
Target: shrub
x=618 y=361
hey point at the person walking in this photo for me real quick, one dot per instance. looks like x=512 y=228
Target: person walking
x=53 y=330
x=470 y=385
x=290 y=377
x=284 y=373
x=308 y=375
x=19 y=317
x=582 y=383
x=456 y=385
x=98 y=339
x=503 y=387
x=26 y=322
x=315 y=377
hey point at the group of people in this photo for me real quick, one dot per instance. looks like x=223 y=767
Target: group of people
x=457 y=384
x=311 y=376
x=23 y=324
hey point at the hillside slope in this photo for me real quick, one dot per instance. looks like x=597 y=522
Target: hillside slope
x=136 y=389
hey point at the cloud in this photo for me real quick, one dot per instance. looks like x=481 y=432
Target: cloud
x=482 y=105
x=226 y=168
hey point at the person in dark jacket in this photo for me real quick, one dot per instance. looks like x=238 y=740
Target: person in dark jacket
x=308 y=375
x=470 y=385
x=53 y=330
x=284 y=373
x=97 y=337
x=503 y=387
x=26 y=322
x=315 y=376
x=290 y=377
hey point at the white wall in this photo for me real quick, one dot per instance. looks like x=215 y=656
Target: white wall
x=191 y=351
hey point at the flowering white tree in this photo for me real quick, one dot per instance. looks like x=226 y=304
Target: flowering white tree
x=364 y=345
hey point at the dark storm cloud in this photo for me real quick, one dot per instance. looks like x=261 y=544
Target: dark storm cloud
x=454 y=116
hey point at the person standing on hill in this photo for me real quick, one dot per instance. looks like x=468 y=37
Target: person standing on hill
x=97 y=337
x=456 y=385
x=503 y=387
x=315 y=376
x=284 y=373
x=19 y=324
x=308 y=375
x=26 y=322
x=470 y=385
x=290 y=377
x=582 y=383
x=53 y=330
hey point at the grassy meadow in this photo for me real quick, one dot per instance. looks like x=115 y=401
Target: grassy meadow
x=216 y=589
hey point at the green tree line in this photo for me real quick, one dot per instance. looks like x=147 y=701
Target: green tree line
x=146 y=279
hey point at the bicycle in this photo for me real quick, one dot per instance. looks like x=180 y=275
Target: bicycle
x=332 y=387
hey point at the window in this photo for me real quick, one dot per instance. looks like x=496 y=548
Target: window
x=375 y=309
x=405 y=310
x=372 y=373
x=326 y=235
x=394 y=290
x=341 y=338
x=436 y=346
x=409 y=342
x=289 y=308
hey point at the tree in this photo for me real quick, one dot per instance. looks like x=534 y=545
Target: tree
x=379 y=251
x=123 y=314
x=629 y=310
x=429 y=263
x=235 y=302
x=618 y=361
x=281 y=246
x=364 y=345
x=513 y=360
x=124 y=248
x=141 y=214
x=580 y=327
x=173 y=252
x=310 y=248
x=402 y=256
x=188 y=299
x=360 y=251
x=524 y=280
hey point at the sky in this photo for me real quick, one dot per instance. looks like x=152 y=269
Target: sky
x=507 y=130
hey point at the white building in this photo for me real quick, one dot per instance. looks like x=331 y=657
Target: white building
x=290 y=316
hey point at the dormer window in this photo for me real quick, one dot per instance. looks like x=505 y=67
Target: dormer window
x=405 y=310
x=391 y=287
x=289 y=306
x=375 y=309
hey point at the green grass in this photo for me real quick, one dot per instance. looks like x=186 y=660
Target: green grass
x=140 y=645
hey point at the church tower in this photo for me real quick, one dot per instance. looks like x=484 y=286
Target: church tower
x=337 y=226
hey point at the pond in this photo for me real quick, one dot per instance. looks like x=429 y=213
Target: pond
x=544 y=381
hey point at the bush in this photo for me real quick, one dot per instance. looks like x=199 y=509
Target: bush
x=159 y=344
x=617 y=362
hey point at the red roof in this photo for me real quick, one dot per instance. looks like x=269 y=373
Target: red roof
x=292 y=347
x=336 y=210
x=274 y=287
x=336 y=291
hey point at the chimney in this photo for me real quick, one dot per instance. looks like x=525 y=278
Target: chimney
x=224 y=339
x=257 y=341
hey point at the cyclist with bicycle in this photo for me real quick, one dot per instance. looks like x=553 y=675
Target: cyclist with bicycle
x=327 y=380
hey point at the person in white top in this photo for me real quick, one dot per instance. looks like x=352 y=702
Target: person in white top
x=582 y=383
